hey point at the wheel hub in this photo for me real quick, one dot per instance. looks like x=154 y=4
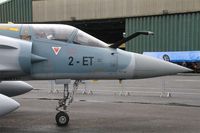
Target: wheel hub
x=62 y=119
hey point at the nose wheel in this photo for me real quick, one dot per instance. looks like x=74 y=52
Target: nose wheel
x=62 y=118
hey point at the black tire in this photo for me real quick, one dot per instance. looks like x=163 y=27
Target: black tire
x=62 y=118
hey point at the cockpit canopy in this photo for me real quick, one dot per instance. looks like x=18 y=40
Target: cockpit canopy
x=66 y=33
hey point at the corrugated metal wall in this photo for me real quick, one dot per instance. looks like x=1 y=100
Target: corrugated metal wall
x=179 y=32
x=17 y=11
x=68 y=10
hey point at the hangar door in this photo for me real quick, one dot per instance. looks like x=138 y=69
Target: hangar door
x=178 y=32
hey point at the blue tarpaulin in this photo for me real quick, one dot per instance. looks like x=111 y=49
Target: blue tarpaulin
x=176 y=57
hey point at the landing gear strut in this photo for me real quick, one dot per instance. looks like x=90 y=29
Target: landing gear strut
x=62 y=118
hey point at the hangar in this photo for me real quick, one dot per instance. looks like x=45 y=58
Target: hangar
x=176 y=23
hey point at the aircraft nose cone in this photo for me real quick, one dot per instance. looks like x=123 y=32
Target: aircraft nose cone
x=146 y=67
x=7 y=105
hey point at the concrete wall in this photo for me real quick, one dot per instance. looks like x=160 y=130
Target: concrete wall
x=66 y=10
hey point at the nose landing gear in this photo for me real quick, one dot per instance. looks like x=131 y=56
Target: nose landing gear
x=62 y=118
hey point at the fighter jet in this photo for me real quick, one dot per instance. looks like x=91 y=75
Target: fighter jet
x=53 y=52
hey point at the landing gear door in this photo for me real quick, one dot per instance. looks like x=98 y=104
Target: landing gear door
x=25 y=32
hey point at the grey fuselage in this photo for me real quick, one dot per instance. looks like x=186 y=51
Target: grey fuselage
x=46 y=52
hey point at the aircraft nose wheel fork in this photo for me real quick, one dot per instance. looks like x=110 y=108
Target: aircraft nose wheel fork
x=62 y=118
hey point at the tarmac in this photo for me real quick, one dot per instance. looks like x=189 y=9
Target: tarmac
x=157 y=105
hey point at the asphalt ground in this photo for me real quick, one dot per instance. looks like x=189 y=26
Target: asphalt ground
x=157 y=105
